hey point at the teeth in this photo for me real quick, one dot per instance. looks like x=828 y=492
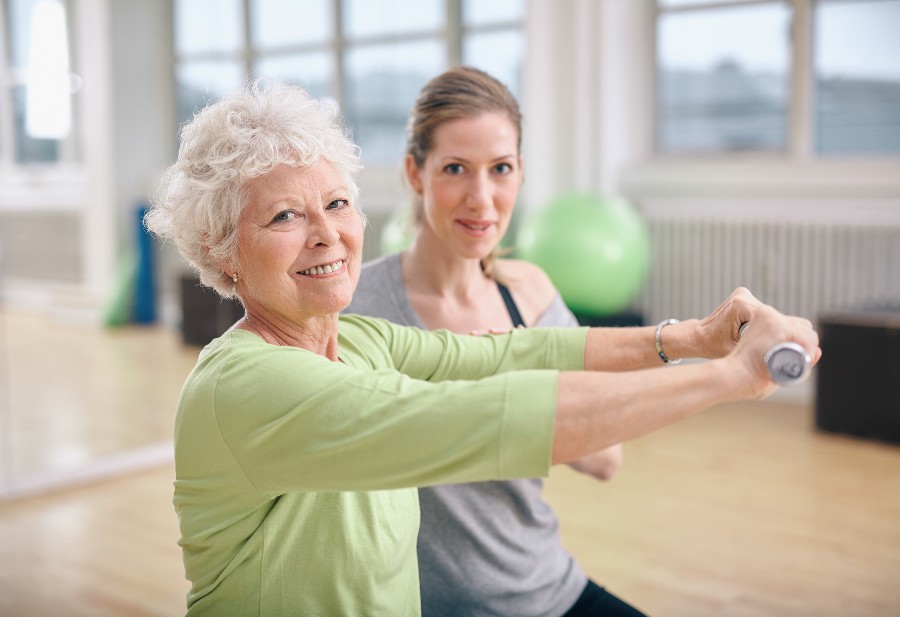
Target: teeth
x=326 y=269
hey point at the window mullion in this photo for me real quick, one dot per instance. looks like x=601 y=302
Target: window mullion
x=338 y=52
x=249 y=55
x=7 y=126
x=454 y=32
x=68 y=146
x=800 y=106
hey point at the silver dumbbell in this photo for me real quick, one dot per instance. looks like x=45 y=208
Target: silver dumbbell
x=788 y=363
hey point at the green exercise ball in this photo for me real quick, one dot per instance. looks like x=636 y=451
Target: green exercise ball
x=595 y=249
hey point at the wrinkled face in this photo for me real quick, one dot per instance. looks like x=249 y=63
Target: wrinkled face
x=299 y=243
x=469 y=183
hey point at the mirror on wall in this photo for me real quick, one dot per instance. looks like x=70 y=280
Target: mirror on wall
x=80 y=400
x=81 y=396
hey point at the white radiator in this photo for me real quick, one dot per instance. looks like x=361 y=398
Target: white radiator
x=803 y=267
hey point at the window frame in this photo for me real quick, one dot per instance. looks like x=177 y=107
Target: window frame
x=32 y=186
x=380 y=183
x=452 y=35
x=7 y=121
x=795 y=171
x=68 y=156
x=798 y=138
x=801 y=137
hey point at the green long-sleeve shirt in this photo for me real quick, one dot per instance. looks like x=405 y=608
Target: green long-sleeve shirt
x=295 y=475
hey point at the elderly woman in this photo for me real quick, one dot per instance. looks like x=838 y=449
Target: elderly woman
x=301 y=436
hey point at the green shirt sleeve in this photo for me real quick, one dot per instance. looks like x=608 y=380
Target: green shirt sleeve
x=439 y=354
x=404 y=408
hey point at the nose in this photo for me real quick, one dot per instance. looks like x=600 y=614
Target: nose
x=481 y=191
x=322 y=231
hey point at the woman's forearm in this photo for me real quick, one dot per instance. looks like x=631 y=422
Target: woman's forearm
x=715 y=336
x=629 y=349
x=597 y=410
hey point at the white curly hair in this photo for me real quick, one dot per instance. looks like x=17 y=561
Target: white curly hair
x=242 y=136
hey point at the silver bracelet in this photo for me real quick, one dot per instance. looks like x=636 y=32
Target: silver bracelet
x=659 y=349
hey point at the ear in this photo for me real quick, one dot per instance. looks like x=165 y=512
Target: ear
x=227 y=267
x=413 y=174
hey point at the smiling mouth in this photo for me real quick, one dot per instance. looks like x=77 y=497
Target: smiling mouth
x=476 y=226
x=326 y=269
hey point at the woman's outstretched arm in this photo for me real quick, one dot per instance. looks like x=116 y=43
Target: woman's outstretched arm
x=597 y=408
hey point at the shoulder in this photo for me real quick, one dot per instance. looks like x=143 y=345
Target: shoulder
x=240 y=362
x=528 y=280
x=533 y=291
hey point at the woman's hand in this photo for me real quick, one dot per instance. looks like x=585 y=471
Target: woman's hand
x=766 y=329
x=717 y=335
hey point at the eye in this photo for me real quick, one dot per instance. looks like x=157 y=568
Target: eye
x=503 y=168
x=454 y=169
x=285 y=215
x=337 y=204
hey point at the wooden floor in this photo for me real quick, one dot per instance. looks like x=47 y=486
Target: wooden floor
x=743 y=511
x=103 y=550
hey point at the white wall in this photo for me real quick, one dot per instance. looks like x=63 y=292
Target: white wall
x=143 y=98
x=145 y=131
x=587 y=95
x=94 y=102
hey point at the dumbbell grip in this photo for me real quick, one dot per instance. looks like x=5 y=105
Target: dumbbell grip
x=788 y=363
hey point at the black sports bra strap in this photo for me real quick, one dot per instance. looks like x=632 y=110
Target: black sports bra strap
x=511 y=306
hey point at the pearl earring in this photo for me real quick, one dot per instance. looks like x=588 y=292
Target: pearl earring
x=234 y=278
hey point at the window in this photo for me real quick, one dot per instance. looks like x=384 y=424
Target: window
x=730 y=75
x=492 y=39
x=857 y=77
x=300 y=55
x=35 y=99
x=210 y=52
x=371 y=57
x=392 y=49
x=723 y=78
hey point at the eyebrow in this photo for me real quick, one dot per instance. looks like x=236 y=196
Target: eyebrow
x=340 y=189
x=452 y=157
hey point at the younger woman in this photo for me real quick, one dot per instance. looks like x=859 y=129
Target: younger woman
x=488 y=548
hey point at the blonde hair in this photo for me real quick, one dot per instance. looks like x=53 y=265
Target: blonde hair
x=460 y=92
x=242 y=136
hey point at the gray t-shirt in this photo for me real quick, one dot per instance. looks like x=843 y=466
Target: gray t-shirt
x=485 y=548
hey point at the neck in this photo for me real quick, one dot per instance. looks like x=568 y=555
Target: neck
x=429 y=268
x=317 y=334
